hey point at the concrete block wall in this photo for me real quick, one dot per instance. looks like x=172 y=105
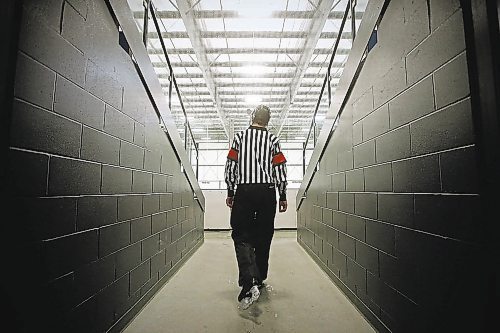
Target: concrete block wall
x=393 y=214
x=102 y=215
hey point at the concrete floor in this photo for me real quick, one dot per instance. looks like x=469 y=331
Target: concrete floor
x=201 y=297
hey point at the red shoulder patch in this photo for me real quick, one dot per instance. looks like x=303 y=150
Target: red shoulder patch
x=279 y=158
x=233 y=154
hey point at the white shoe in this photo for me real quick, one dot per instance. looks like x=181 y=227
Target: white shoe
x=248 y=300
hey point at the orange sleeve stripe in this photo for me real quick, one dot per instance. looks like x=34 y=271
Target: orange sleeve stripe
x=278 y=159
x=233 y=154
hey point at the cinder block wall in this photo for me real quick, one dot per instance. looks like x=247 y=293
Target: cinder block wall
x=393 y=214
x=102 y=214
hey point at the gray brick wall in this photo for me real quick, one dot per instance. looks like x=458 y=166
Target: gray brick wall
x=397 y=227
x=104 y=215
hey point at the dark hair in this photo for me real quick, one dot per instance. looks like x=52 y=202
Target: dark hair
x=261 y=115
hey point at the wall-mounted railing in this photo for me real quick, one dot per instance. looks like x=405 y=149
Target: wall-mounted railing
x=362 y=41
x=190 y=144
x=137 y=44
x=312 y=135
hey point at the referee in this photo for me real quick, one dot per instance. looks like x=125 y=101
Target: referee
x=255 y=166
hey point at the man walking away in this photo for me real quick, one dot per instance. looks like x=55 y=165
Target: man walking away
x=255 y=166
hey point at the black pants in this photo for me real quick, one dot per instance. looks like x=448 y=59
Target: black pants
x=252 y=221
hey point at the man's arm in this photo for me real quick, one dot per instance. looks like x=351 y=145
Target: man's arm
x=279 y=166
x=230 y=173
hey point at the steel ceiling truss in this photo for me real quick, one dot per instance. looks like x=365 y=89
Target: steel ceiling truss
x=291 y=86
x=231 y=14
x=188 y=17
x=320 y=15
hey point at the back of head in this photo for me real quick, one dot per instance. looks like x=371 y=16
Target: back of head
x=261 y=116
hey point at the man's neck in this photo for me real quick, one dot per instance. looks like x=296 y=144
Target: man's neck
x=257 y=125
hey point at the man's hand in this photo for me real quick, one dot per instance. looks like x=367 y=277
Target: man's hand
x=229 y=202
x=283 y=206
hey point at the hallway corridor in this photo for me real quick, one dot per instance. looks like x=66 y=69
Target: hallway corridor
x=299 y=297
x=123 y=146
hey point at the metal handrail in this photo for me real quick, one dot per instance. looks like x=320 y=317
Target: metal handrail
x=350 y=7
x=187 y=126
x=371 y=18
x=149 y=78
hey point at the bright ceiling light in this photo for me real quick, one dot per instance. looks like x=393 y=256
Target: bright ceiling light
x=252 y=69
x=253 y=99
x=301 y=138
x=197 y=130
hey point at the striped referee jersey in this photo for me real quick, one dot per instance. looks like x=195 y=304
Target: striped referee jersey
x=255 y=157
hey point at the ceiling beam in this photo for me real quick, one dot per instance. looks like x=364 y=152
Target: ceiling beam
x=321 y=14
x=226 y=14
x=290 y=75
x=188 y=94
x=248 y=34
x=188 y=17
x=243 y=105
x=248 y=85
x=269 y=100
x=245 y=50
x=285 y=64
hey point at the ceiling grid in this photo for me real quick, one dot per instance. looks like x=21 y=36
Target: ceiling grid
x=230 y=55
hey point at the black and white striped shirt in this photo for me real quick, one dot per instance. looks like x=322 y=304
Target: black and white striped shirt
x=255 y=157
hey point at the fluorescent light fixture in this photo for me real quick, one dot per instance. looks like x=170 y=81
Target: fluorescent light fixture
x=197 y=130
x=300 y=138
x=253 y=99
x=319 y=117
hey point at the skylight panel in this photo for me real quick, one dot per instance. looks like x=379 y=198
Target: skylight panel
x=170 y=25
x=195 y=70
x=345 y=43
x=161 y=70
x=325 y=43
x=253 y=70
x=295 y=24
x=283 y=69
x=135 y=5
x=321 y=57
x=253 y=57
x=197 y=80
x=209 y=5
x=251 y=24
x=293 y=42
x=193 y=90
x=221 y=69
x=264 y=42
x=215 y=43
x=178 y=70
x=212 y=24
x=297 y=5
x=240 y=42
x=224 y=80
x=282 y=80
x=182 y=42
x=157 y=58
x=186 y=57
x=162 y=5
x=253 y=80
x=254 y=8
